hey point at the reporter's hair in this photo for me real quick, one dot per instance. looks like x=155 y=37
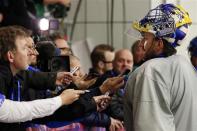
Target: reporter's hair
x=46 y=50
x=8 y=36
x=73 y=58
x=98 y=53
x=134 y=46
x=56 y=36
x=27 y=31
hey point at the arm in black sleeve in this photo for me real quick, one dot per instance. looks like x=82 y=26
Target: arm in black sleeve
x=116 y=107
x=39 y=80
x=71 y=112
x=93 y=92
x=96 y=119
x=3 y=88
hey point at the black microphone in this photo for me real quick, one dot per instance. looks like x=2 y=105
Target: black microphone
x=126 y=72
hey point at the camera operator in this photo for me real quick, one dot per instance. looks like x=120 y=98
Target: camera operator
x=23 y=12
x=61 y=43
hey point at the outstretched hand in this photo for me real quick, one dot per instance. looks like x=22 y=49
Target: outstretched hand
x=115 y=125
x=112 y=84
x=83 y=84
x=70 y=95
x=101 y=101
x=64 y=78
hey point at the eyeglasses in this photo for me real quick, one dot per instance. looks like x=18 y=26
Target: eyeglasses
x=107 y=62
x=33 y=47
x=65 y=49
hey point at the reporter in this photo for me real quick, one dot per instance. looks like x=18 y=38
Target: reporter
x=13 y=111
x=14 y=58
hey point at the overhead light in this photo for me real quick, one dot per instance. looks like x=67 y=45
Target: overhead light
x=44 y=24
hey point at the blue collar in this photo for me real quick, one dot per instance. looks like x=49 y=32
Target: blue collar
x=2 y=98
x=31 y=68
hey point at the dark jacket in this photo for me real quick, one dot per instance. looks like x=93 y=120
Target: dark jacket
x=115 y=108
x=103 y=119
x=96 y=119
x=39 y=80
x=92 y=74
x=102 y=78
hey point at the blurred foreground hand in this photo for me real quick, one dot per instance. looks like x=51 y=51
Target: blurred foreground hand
x=64 y=78
x=99 y=100
x=112 y=84
x=70 y=95
x=82 y=83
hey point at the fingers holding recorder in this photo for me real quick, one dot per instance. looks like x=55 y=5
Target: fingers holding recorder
x=70 y=95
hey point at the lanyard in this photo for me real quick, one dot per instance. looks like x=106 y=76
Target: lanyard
x=30 y=68
x=18 y=92
x=2 y=98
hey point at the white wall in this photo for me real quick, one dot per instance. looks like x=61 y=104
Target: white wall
x=92 y=18
x=94 y=23
x=94 y=13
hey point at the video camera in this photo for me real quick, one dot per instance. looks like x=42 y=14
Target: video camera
x=49 y=59
x=59 y=63
x=58 y=10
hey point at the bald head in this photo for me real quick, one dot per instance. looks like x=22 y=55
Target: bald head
x=123 y=60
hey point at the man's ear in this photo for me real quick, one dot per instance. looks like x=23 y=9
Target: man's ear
x=10 y=56
x=160 y=45
x=101 y=64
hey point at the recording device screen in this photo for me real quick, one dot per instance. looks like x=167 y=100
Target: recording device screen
x=49 y=59
x=59 y=63
x=54 y=24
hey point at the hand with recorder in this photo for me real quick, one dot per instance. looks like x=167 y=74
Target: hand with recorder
x=64 y=78
x=68 y=96
x=79 y=79
x=112 y=84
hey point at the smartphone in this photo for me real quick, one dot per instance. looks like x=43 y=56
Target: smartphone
x=74 y=70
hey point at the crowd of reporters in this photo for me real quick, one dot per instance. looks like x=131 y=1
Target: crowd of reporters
x=38 y=88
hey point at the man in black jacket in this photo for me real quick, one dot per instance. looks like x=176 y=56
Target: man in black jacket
x=13 y=58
